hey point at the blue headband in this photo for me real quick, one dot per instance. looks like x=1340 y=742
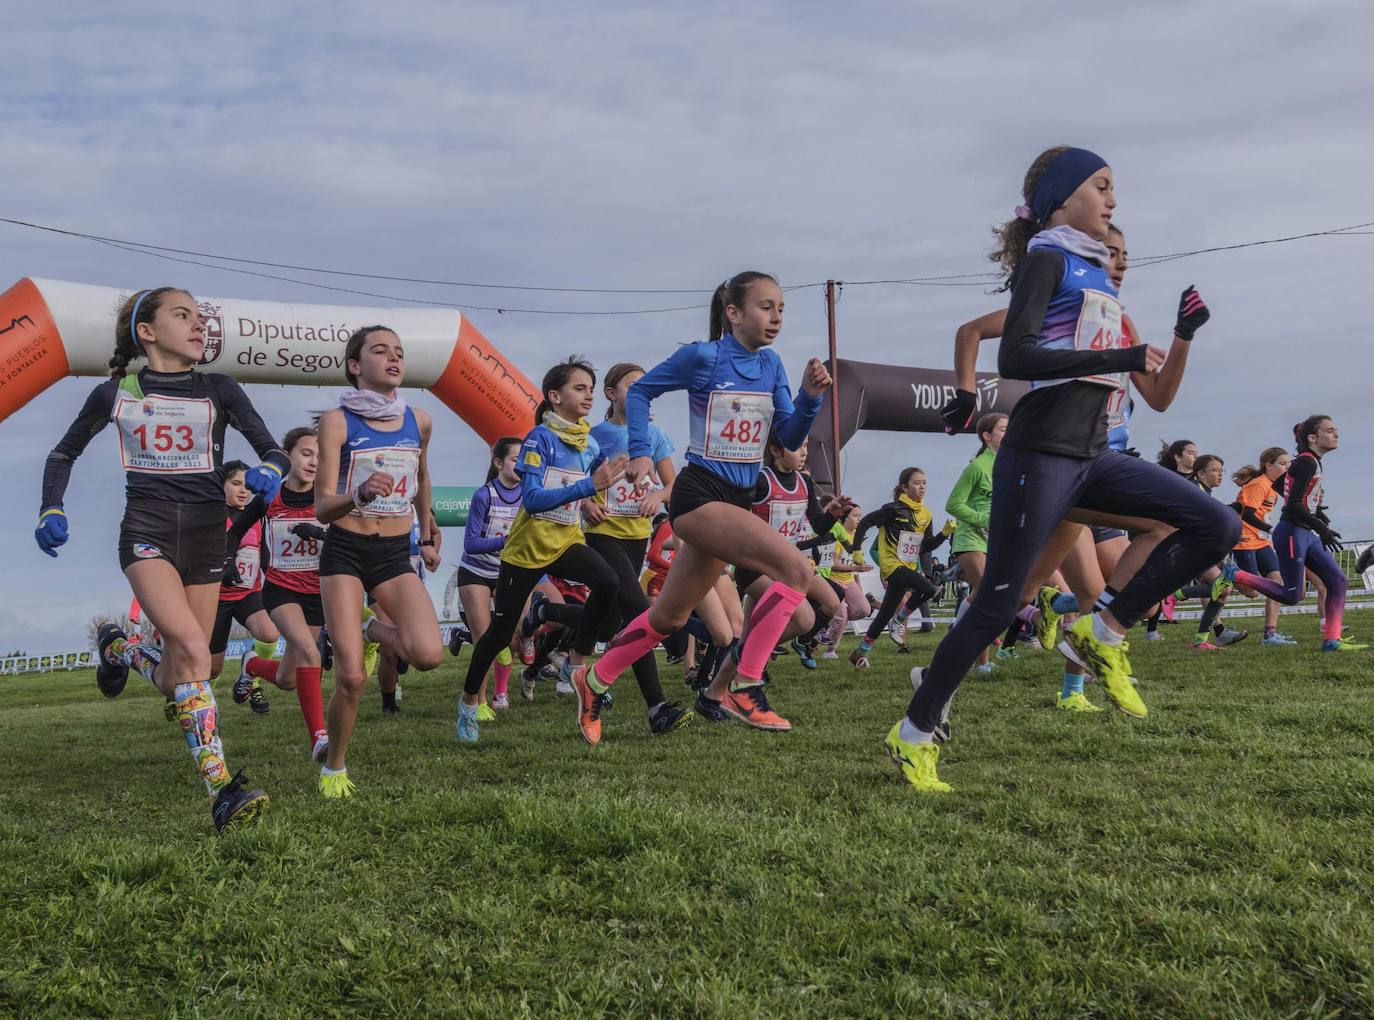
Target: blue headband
x=1061 y=179
x=133 y=321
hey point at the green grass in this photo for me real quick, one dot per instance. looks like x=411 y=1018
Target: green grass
x=1214 y=860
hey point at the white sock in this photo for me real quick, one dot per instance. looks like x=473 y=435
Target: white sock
x=325 y=770
x=912 y=735
x=1104 y=633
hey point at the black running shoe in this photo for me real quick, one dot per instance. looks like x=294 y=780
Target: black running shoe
x=1366 y=559
x=326 y=649
x=456 y=639
x=234 y=805
x=670 y=716
x=402 y=667
x=709 y=709
x=110 y=674
x=689 y=677
x=257 y=701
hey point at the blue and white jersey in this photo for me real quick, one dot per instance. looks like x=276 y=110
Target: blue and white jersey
x=367 y=451
x=490 y=516
x=735 y=396
x=1083 y=315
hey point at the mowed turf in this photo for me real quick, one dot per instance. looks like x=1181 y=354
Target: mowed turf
x=1216 y=859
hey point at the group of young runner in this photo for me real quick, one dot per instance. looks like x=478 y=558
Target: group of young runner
x=585 y=536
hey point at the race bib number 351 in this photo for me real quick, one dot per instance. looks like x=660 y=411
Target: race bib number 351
x=737 y=425
x=908 y=547
x=165 y=435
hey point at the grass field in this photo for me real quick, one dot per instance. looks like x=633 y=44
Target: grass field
x=1214 y=860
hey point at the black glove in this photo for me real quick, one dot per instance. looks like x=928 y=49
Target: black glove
x=1321 y=514
x=1131 y=451
x=231 y=575
x=307 y=530
x=958 y=413
x=1192 y=313
x=1331 y=540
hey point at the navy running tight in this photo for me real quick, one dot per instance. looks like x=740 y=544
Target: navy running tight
x=1300 y=549
x=1031 y=493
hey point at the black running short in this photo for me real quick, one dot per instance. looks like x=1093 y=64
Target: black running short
x=695 y=487
x=189 y=536
x=467 y=577
x=311 y=606
x=1101 y=534
x=373 y=559
x=229 y=612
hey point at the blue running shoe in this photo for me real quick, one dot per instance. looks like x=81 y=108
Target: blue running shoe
x=710 y=709
x=466 y=727
x=808 y=660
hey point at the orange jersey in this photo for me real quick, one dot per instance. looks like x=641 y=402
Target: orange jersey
x=1260 y=496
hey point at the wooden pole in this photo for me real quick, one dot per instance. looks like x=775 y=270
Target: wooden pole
x=830 y=286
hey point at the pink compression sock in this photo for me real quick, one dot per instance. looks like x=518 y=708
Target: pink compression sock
x=502 y=674
x=766 y=625
x=628 y=647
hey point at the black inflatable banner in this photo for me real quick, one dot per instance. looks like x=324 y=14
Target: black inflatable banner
x=895 y=398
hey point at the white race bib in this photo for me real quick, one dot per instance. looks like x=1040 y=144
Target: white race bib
x=788 y=520
x=247 y=561
x=623 y=499
x=737 y=425
x=828 y=557
x=402 y=463
x=561 y=478
x=165 y=435
x=290 y=553
x=500 y=519
x=844 y=559
x=1100 y=329
x=909 y=547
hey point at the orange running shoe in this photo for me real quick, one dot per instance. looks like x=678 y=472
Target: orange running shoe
x=588 y=705
x=750 y=705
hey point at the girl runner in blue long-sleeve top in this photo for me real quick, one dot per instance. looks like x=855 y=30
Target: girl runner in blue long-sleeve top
x=736 y=391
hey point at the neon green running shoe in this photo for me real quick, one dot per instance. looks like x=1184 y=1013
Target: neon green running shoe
x=336 y=786
x=915 y=761
x=1047 y=627
x=1342 y=645
x=370 y=648
x=169 y=710
x=1076 y=702
x=485 y=713
x=1106 y=662
x=1221 y=587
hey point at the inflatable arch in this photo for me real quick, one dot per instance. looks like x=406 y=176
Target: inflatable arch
x=50 y=329
x=893 y=398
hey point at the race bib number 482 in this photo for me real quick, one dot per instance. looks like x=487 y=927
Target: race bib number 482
x=165 y=435
x=737 y=425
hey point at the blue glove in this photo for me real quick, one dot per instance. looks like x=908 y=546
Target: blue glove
x=263 y=480
x=52 y=530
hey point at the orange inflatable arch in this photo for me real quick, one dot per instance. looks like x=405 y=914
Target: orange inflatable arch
x=50 y=329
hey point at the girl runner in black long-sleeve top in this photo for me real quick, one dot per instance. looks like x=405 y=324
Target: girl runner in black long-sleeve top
x=171 y=421
x=1064 y=334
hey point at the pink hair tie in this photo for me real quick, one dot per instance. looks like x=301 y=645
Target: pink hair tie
x=1023 y=212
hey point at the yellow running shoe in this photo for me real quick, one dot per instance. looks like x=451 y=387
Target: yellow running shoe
x=1047 y=627
x=1106 y=662
x=485 y=713
x=1076 y=702
x=915 y=761
x=337 y=785
x=1342 y=645
x=370 y=648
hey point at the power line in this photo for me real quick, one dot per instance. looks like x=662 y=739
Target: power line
x=189 y=257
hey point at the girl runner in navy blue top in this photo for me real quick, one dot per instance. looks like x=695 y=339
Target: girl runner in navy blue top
x=736 y=390
x=372 y=481
x=171 y=421
x=1064 y=333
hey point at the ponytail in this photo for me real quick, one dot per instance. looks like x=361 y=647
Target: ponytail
x=1249 y=473
x=143 y=304
x=499 y=449
x=1308 y=426
x=734 y=291
x=556 y=377
x=903 y=478
x=617 y=372
x=986 y=424
x=1168 y=453
x=1013 y=237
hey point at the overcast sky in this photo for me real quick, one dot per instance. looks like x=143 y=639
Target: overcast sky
x=647 y=147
